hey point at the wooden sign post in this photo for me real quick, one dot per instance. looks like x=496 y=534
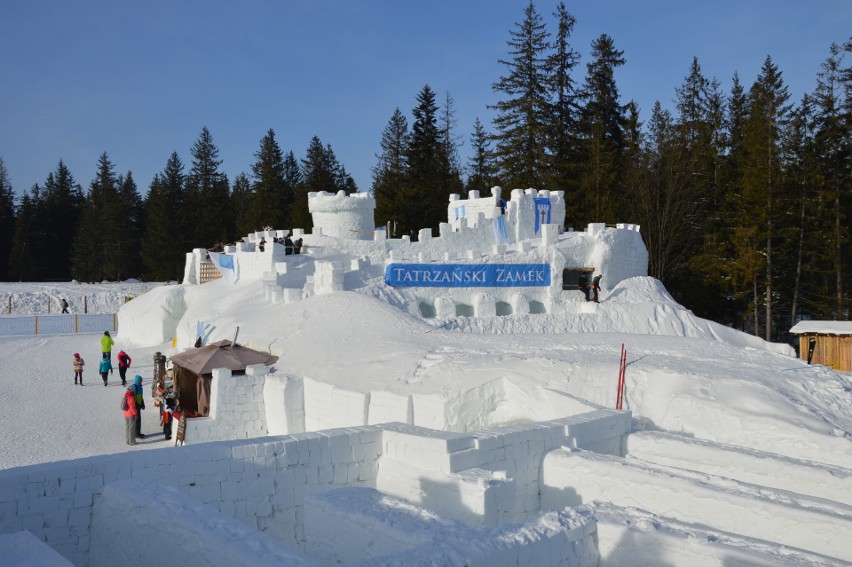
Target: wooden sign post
x=181 y=430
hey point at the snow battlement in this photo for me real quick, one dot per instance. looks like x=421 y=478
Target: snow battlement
x=525 y=212
x=343 y=216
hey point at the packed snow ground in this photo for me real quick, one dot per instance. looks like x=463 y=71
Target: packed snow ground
x=687 y=378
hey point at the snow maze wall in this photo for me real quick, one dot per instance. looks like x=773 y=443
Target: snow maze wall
x=403 y=494
x=416 y=495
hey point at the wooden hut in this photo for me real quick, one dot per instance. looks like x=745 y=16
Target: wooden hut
x=826 y=342
x=193 y=371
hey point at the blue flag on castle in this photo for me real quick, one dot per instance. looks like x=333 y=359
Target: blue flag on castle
x=225 y=264
x=542 y=212
x=500 y=234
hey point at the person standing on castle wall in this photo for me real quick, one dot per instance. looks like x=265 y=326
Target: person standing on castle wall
x=596 y=286
x=105 y=368
x=297 y=246
x=261 y=244
x=79 y=363
x=106 y=345
x=64 y=305
x=123 y=364
x=502 y=204
x=288 y=246
x=130 y=415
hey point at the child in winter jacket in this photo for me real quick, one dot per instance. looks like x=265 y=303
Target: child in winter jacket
x=79 y=363
x=105 y=368
x=123 y=365
x=136 y=388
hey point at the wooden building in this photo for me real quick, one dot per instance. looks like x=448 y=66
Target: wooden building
x=826 y=342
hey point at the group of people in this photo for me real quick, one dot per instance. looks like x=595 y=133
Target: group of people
x=133 y=401
x=594 y=288
x=290 y=247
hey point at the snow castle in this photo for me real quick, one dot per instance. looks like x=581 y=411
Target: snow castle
x=487 y=260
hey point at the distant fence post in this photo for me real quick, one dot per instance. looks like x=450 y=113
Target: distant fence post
x=36 y=324
x=48 y=305
x=114 y=322
x=76 y=324
x=10 y=305
x=85 y=304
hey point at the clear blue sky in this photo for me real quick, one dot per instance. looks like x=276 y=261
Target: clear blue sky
x=139 y=80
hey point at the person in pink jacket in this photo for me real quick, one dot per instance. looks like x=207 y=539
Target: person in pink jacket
x=130 y=414
x=79 y=363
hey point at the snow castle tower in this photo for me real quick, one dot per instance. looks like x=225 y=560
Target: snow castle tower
x=342 y=215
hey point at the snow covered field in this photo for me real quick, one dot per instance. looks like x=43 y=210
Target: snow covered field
x=734 y=416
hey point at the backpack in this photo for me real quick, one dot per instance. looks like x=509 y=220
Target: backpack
x=124 y=405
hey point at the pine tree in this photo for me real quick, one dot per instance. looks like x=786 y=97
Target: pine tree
x=762 y=173
x=95 y=255
x=26 y=257
x=521 y=121
x=293 y=177
x=242 y=199
x=481 y=169
x=272 y=198
x=601 y=143
x=320 y=172
x=63 y=204
x=806 y=228
x=697 y=128
x=7 y=220
x=660 y=200
x=128 y=238
x=448 y=157
x=562 y=120
x=427 y=168
x=209 y=213
x=833 y=145
x=164 y=244
x=389 y=174
x=292 y=171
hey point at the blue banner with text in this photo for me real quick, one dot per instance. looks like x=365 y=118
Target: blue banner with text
x=467 y=275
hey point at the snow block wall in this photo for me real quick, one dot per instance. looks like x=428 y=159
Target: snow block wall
x=571 y=478
x=22 y=549
x=237 y=409
x=491 y=476
x=363 y=527
x=260 y=483
x=263 y=483
x=145 y=523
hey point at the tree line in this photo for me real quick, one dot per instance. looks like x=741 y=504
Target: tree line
x=743 y=197
x=57 y=231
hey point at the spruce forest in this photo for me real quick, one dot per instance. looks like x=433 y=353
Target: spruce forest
x=743 y=197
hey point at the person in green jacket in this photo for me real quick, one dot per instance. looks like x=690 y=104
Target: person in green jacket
x=106 y=346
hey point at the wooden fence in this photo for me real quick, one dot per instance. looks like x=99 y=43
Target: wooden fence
x=207 y=272
x=58 y=324
x=834 y=351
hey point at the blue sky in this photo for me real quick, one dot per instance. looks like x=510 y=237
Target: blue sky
x=139 y=80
